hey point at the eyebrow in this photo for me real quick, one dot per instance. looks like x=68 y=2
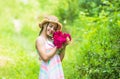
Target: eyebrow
x=56 y=26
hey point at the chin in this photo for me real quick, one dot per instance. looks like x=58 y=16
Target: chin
x=48 y=34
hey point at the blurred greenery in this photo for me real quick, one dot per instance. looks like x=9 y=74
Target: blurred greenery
x=94 y=52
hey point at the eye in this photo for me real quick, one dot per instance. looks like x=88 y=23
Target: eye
x=51 y=26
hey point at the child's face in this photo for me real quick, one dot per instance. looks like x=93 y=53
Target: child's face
x=51 y=28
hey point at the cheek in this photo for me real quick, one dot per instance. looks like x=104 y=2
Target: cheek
x=53 y=31
x=47 y=29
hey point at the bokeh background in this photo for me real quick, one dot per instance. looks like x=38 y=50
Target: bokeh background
x=94 y=25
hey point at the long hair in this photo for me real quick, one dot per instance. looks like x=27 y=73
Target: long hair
x=43 y=27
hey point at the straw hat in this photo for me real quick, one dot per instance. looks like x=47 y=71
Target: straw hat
x=52 y=19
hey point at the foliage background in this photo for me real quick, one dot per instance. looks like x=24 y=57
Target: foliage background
x=94 y=52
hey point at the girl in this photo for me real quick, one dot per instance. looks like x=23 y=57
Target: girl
x=51 y=67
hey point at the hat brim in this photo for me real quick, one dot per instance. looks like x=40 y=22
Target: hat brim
x=45 y=21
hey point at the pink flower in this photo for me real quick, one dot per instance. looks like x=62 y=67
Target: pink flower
x=60 y=38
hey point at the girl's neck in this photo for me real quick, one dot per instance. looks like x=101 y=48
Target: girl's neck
x=43 y=34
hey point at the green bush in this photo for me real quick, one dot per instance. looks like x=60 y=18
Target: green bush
x=100 y=51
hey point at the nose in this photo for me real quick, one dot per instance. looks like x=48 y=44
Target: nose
x=52 y=30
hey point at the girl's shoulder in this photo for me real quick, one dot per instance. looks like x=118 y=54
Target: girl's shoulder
x=40 y=39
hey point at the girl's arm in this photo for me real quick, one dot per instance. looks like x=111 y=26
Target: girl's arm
x=62 y=53
x=40 y=46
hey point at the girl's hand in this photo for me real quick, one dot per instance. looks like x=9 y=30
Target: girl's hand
x=66 y=43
